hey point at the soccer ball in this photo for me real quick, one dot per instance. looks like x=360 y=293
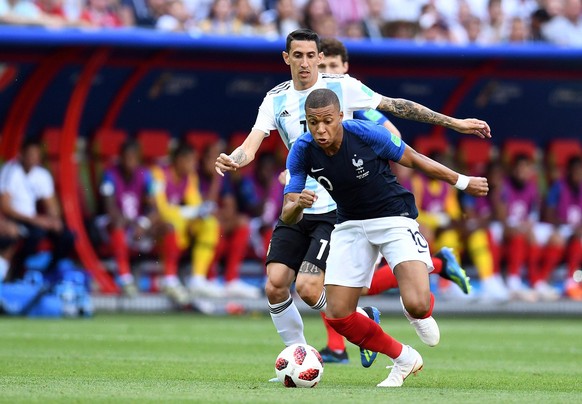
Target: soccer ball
x=299 y=365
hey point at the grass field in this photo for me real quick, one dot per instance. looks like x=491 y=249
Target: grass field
x=192 y=358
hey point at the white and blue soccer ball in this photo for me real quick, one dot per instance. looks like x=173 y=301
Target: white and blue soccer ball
x=299 y=365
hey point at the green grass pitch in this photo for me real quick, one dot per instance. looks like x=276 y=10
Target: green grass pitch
x=193 y=358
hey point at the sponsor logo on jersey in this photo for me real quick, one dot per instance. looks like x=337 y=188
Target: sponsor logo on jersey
x=314 y=170
x=284 y=114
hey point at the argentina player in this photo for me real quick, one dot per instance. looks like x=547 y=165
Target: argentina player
x=350 y=159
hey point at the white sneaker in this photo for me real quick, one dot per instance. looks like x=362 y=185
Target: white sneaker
x=493 y=289
x=427 y=329
x=201 y=287
x=519 y=291
x=238 y=288
x=546 y=292
x=410 y=364
x=177 y=293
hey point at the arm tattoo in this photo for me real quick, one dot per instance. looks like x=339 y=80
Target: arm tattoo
x=239 y=156
x=309 y=268
x=411 y=110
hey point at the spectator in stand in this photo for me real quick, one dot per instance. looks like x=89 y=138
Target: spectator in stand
x=141 y=13
x=221 y=20
x=23 y=12
x=314 y=12
x=524 y=236
x=234 y=227
x=566 y=29
x=247 y=17
x=282 y=20
x=100 y=14
x=177 y=18
x=24 y=185
x=191 y=222
x=495 y=27
x=518 y=31
x=373 y=21
x=346 y=11
x=537 y=20
x=564 y=210
x=9 y=235
x=130 y=216
x=326 y=27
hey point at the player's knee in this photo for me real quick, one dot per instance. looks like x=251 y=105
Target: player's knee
x=417 y=307
x=276 y=292
x=309 y=289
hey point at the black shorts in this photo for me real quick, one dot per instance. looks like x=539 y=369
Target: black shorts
x=307 y=240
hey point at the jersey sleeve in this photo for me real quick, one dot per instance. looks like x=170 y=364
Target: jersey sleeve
x=265 y=121
x=359 y=96
x=296 y=168
x=371 y=115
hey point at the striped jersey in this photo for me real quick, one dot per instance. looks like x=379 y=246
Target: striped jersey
x=283 y=109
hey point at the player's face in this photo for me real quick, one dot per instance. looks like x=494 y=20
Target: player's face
x=31 y=157
x=325 y=125
x=303 y=59
x=333 y=64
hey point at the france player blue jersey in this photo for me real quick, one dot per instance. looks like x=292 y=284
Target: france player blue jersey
x=358 y=176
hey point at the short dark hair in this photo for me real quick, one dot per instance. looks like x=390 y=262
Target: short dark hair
x=182 y=149
x=303 y=34
x=30 y=142
x=129 y=145
x=322 y=97
x=334 y=47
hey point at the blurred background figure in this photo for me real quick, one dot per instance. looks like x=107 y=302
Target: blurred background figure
x=565 y=28
x=9 y=235
x=101 y=14
x=564 y=210
x=233 y=243
x=524 y=235
x=130 y=218
x=191 y=225
x=27 y=199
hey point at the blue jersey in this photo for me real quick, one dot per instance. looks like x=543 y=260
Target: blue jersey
x=358 y=176
x=371 y=115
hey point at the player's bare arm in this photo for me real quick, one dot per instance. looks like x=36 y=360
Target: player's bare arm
x=476 y=186
x=411 y=110
x=242 y=155
x=294 y=203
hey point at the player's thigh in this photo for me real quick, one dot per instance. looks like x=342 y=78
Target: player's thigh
x=288 y=246
x=319 y=228
x=351 y=256
x=309 y=282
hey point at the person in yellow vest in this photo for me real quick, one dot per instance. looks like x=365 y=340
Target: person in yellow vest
x=191 y=224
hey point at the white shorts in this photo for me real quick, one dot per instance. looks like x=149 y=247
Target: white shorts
x=355 y=245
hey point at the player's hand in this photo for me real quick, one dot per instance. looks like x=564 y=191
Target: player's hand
x=306 y=199
x=472 y=126
x=225 y=163
x=478 y=186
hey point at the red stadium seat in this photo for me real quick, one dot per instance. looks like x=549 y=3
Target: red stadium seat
x=106 y=143
x=474 y=154
x=431 y=144
x=560 y=151
x=201 y=139
x=513 y=147
x=50 y=140
x=155 y=144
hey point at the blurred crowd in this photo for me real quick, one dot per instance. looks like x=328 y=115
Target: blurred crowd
x=481 y=22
